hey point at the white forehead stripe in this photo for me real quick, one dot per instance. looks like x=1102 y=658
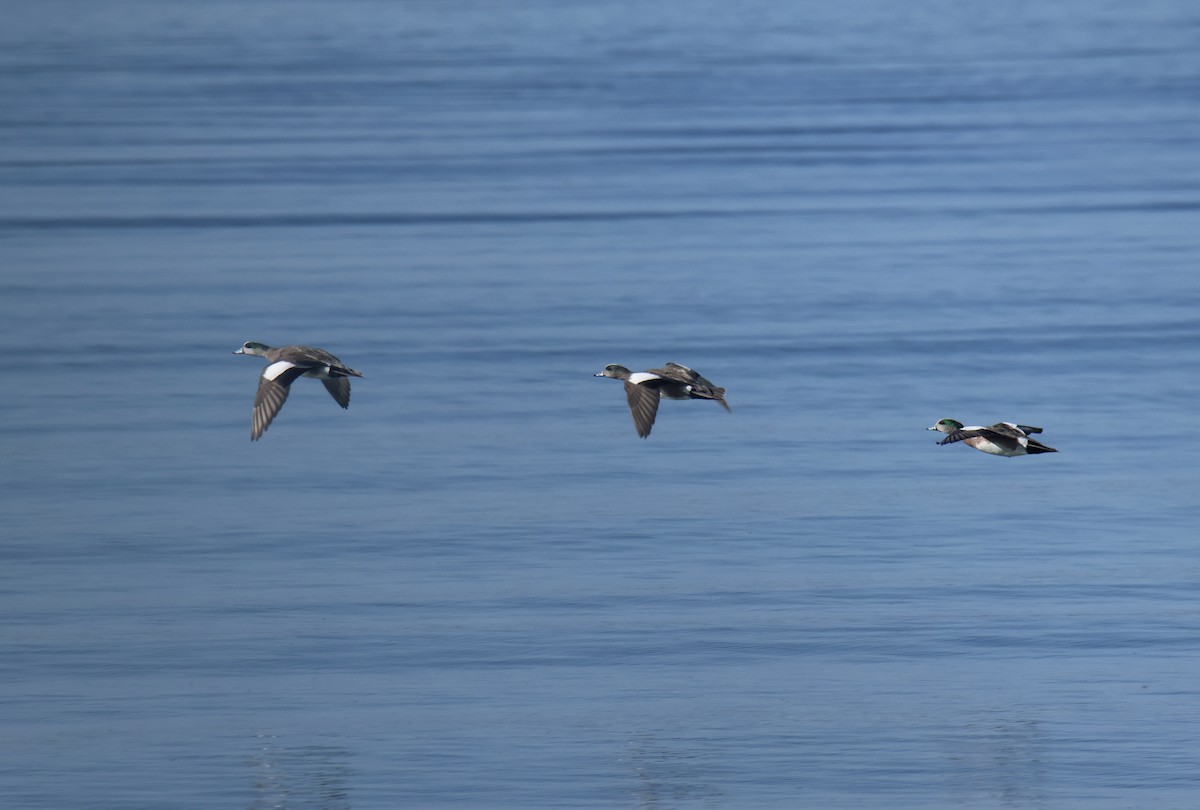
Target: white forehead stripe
x=642 y=376
x=275 y=369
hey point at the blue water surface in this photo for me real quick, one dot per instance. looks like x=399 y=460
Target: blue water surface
x=477 y=587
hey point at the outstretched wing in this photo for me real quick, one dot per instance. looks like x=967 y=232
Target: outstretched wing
x=643 y=406
x=273 y=389
x=267 y=402
x=339 y=389
x=1008 y=438
x=958 y=436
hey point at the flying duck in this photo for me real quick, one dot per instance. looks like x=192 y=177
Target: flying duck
x=1001 y=439
x=284 y=366
x=645 y=388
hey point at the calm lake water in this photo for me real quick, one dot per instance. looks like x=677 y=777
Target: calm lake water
x=477 y=587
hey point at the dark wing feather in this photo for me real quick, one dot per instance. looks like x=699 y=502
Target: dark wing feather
x=701 y=388
x=1006 y=438
x=958 y=436
x=643 y=406
x=1029 y=429
x=270 y=397
x=309 y=355
x=314 y=358
x=719 y=395
x=1008 y=431
x=681 y=374
x=267 y=402
x=339 y=389
x=676 y=372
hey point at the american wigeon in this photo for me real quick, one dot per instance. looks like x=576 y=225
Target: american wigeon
x=285 y=365
x=645 y=388
x=1000 y=439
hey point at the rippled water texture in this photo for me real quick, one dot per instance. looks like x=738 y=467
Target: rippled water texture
x=477 y=587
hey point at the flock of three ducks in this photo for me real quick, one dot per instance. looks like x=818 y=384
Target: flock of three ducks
x=643 y=389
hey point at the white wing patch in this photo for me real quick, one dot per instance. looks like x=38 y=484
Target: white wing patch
x=642 y=376
x=272 y=371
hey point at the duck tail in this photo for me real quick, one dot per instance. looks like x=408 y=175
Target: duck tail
x=1035 y=447
x=715 y=394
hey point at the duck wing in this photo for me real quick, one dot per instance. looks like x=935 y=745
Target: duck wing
x=339 y=389
x=271 y=395
x=643 y=406
x=1025 y=429
x=313 y=357
x=1009 y=430
x=698 y=386
x=999 y=435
